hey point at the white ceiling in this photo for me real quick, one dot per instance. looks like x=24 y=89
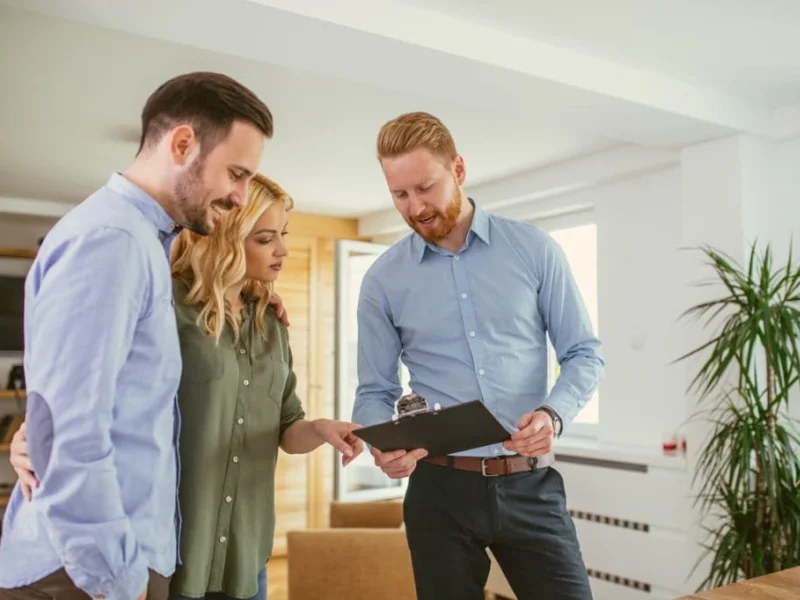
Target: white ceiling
x=73 y=93
x=522 y=83
x=745 y=48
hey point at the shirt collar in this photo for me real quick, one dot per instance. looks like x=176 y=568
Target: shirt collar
x=151 y=209
x=478 y=228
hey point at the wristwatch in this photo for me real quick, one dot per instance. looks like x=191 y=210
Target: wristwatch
x=557 y=424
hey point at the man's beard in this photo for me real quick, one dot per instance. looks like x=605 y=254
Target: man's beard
x=446 y=222
x=192 y=199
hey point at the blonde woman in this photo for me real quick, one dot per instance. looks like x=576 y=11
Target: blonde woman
x=237 y=398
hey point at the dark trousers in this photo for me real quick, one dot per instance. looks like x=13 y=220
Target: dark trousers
x=58 y=586
x=453 y=516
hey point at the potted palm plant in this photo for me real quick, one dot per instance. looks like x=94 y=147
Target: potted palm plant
x=747 y=474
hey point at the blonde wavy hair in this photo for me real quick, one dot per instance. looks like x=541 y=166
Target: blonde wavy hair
x=210 y=265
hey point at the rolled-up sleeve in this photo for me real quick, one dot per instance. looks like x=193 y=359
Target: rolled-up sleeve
x=87 y=297
x=291 y=407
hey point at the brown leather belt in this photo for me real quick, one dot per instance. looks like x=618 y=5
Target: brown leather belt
x=491 y=466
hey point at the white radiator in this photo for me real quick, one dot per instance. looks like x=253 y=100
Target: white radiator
x=633 y=521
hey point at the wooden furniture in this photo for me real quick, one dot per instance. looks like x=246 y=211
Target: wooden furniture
x=363 y=556
x=17 y=253
x=784 y=585
x=304 y=483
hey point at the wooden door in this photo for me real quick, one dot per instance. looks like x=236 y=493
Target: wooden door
x=304 y=483
x=295 y=287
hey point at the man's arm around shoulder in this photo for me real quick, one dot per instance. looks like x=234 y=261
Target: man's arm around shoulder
x=87 y=298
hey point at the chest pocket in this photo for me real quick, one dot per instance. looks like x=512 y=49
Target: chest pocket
x=274 y=373
x=203 y=360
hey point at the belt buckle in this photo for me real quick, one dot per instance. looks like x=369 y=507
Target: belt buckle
x=483 y=468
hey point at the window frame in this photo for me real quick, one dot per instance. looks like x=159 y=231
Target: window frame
x=550 y=224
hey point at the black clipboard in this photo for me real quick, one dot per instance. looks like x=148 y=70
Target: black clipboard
x=445 y=431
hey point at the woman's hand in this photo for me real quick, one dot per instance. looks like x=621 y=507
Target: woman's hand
x=21 y=462
x=339 y=434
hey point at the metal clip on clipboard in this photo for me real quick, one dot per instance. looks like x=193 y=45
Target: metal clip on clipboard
x=410 y=405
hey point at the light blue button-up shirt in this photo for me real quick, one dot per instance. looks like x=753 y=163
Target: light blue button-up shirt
x=102 y=366
x=473 y=326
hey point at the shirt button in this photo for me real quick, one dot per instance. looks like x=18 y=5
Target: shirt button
x=240 y=420
x=457 y=257
x=464 y=296
x=236 y=459
x=242 y=351
x=228 y=498
x=246 y=382
x=481 y=372
x=471 y=334
x=223 y=539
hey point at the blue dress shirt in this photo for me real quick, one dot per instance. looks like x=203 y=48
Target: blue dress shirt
x=473 y=326
x=102 y=366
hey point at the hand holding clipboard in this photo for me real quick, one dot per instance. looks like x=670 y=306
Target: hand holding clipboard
x=439 y=431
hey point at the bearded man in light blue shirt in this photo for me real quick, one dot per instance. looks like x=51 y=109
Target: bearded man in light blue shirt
x=102 y=360
x=467 y=301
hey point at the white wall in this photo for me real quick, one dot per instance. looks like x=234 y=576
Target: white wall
x=639 y=232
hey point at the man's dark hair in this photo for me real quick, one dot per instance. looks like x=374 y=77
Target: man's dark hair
x=209 y=102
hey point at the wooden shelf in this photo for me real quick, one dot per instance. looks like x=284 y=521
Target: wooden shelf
x=17 y=253
x=5 y=448
x=12 y=394
x=4 y=498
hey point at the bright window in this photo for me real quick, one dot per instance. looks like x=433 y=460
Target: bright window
x=579 y=243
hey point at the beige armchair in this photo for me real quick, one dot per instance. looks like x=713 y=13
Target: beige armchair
x=363 y=556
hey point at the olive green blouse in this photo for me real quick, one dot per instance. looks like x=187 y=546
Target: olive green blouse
x=236 y=399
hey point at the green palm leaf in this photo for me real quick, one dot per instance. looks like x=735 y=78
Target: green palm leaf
x=747 y=474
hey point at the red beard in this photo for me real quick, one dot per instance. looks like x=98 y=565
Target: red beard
x=444 y=222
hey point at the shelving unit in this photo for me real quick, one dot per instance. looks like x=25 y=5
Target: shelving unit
x=8 y=397
x=17 y=253
x=4 y=447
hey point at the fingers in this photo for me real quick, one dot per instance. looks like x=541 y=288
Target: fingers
x=536 y=447
x=357 y=446
x=24 y=470
x=382 y=458
x=276 y=303
x=526 y=420
x=27 y=482
x=342 y=446
x=21 y=462
x=399 y=463
x=282 y=314
x=535 y=425
x=26 y=491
